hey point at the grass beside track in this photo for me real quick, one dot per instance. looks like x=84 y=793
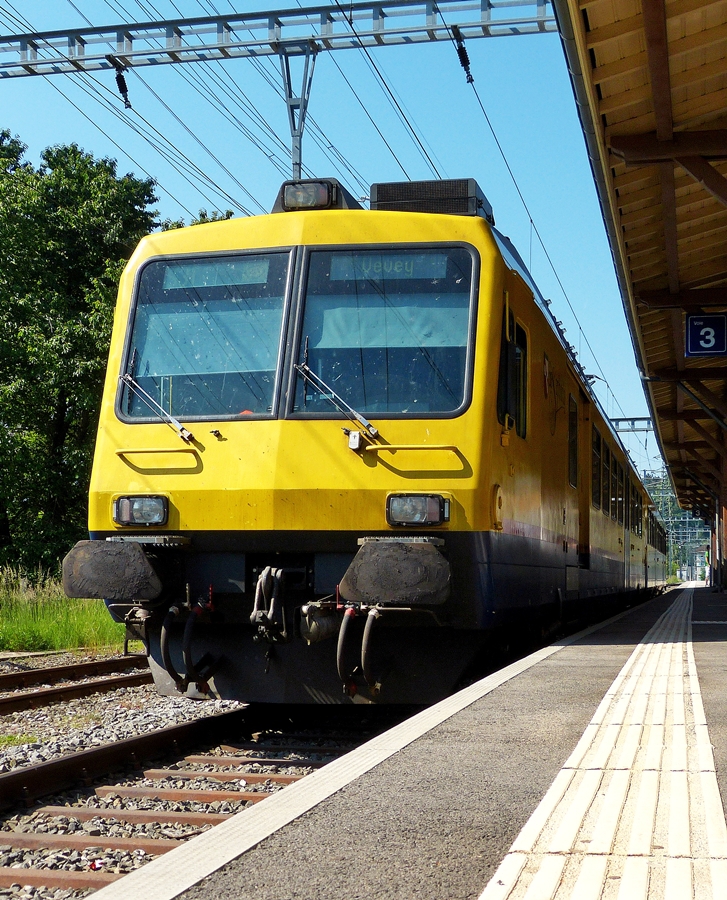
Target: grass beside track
x=35 y=615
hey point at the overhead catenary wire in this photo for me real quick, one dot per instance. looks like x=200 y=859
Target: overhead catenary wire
x=24 y=23
x=392 y=98
x=371 y=119
x=194 y=136
x=182 y=164
x=16 y=20
x=118 y=146
x=159 y=142
x=458 y=43
x=230 y=88
x=198 y=84
x=224 y=81
x=201 y=144
x=227 y=84
x=337 y=159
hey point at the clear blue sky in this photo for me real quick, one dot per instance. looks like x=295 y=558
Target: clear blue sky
x=523 y=84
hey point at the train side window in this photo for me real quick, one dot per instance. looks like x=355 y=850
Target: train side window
x=614 y=488
x=596 y=468
x=631 y=518
x=572 y=441
x=606 y=500
x=521 y=380
x=512 y=387
x=627 y=500
x=620 y=494
x=505 y=378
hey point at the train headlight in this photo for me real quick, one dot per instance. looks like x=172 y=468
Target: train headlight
x=141 y=510
x=416 y=509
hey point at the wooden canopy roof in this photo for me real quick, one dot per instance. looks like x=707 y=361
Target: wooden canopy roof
x=650 y=79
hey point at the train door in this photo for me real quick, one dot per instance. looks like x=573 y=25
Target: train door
x=584 y=486
x=621 y=508
x=571 y=509
x=629 y=536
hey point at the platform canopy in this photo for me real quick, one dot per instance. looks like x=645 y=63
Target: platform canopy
x=650 y=78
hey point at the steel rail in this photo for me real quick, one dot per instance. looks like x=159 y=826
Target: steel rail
x=72 y=691
x=11 y=681
x=29 y=783
x=164 y=784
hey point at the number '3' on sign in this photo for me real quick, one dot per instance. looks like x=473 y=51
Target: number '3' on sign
x=706 y=336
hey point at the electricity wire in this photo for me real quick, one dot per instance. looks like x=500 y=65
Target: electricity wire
x=159 y=142
x=458 y=43
x=392 y=98
x=194 y=136
x=198 y=84
x=226 y=83
x=182 y=165
x=228 y=86
x=200 y=142
x=24 y=23
x=191 y=167
x=118 y=146
x=371 y=119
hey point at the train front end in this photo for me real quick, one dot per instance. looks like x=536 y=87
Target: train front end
x=287 y=484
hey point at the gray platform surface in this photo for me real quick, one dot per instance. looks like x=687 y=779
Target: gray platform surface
x=436 y=817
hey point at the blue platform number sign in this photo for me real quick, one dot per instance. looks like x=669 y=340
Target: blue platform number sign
x=707 y=335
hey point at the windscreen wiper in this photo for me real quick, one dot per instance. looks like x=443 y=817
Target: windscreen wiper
x=158 y=410
x=326 y=391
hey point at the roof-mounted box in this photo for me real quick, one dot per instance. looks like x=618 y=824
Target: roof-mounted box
x=454 y=197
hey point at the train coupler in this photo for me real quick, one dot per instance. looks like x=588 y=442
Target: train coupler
x=269 y=610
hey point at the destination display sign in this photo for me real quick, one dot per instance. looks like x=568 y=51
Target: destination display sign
x=706 y=335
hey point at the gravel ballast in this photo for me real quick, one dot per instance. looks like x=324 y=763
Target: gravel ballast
x=37 y=735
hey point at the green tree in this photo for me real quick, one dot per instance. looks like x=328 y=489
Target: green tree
x=66 y=230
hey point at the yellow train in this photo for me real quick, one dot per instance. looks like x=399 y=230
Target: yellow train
x=339 y=447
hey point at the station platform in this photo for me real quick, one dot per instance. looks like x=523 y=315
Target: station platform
x=593 y=769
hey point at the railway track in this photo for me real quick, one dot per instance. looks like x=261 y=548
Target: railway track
x=93 y=829
x=78 y=680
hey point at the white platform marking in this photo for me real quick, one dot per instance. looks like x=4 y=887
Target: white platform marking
x=635 y=813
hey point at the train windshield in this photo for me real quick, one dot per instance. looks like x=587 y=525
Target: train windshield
x=387 y=329
x=207 y=334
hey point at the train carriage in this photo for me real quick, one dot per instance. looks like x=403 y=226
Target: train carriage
x=339 y=448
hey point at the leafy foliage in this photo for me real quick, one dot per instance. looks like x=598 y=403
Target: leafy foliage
x=66 y=229
x=201 y=219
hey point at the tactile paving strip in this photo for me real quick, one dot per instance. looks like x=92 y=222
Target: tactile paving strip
x=635 y=813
